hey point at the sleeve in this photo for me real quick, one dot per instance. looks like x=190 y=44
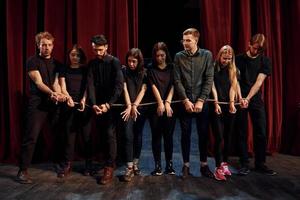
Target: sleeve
x=150 y=77
x=177 y=80
x=119 y=81
x=266 y=66
x=208 y=78
x=31 y=64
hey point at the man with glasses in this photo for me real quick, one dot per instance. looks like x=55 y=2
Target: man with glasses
x=193 y=78
x=254 y=67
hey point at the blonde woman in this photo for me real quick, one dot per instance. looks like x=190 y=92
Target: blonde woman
x=224 y=90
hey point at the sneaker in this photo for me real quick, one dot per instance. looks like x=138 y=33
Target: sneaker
x=219 y=174
x=157 y=171
x=136 y=170
x=129 y=174
x=244 y=171
x=23 y=177
x=185 y=172
x=169 y=168
x=225 y=169
x=265 y=170
x=205 y=171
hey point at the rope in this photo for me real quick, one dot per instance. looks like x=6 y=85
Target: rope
x=153 y=103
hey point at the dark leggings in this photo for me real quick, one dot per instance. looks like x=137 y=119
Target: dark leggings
x=77 y=122
x=162 y=126
x=223 y=128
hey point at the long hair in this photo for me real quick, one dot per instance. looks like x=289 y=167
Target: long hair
x=136 y=53
x=81 y=53
x=227 y=50
x=160 y=46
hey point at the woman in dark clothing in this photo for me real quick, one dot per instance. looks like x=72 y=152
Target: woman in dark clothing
x=73 y=82
x=135 y=86
x=224 y=90
x=163 y=120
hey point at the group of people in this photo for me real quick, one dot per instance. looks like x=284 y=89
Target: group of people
x=189 y=80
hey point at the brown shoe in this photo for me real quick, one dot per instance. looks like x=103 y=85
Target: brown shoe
x=107 y=176
x=65 y=172
x=23 y=177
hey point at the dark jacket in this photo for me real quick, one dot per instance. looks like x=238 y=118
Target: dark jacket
x=193 y=75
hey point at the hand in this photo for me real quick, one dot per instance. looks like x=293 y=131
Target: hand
x=134 y=112
x=218 y=109
x=169 y=110
x=244 y=103
x=189 y=106
x=232 y=108
x=198 y=106
x=103 y=108
x=160 y=109
x=81 y=105
x=54 y=97
x=62 y=97
x=70 y=102
x=97 y=110
x=126 y=113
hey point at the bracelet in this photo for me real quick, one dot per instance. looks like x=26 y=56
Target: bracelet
x=185 y=101
x=166 y=101
x=134 y=104
x=200 y=100
x=107 y=106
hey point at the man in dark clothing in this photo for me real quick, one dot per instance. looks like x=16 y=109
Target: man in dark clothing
x=105 y=85
x=45 y=92
x=254 y=68
x=193 y=79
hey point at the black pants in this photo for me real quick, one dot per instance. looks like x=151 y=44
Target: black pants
x=223 y=128
x=257 y=113
x=162 y=127
x=202 y=121
x=138 y=128
x=39 y=111
x=106 y=126
x=76 y=122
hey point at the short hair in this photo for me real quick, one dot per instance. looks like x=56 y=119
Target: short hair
x=260 y=39
x=99 y=40
x=192 y=31
x=160 y=46
x=41 y=35
x=136 y=53
x=81 y=53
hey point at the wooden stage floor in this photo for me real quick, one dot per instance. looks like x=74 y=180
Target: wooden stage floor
x=285 y=185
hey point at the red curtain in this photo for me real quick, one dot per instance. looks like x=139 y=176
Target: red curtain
x=221 y=22
x=234 y=24
x=70 y=22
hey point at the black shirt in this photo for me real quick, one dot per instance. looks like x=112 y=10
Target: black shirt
x=105 y=80
x=162 y=79
x=249 y=69
x=134 y=81
x=76 y=79
x=46 y=67
x=222 y=83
